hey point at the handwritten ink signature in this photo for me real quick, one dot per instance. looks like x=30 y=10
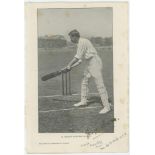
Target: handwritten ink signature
x=101 y=145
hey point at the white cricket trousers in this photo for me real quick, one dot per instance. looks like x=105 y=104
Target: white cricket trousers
x=94 y=69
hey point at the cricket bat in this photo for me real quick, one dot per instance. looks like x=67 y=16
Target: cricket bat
x=57 y=73
x=53 y=74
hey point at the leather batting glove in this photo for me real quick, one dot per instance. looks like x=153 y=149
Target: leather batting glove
x=68 y=68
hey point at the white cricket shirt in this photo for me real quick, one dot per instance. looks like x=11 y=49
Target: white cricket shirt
x=85 y=49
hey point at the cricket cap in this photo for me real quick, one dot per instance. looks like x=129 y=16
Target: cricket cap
x=74 y=33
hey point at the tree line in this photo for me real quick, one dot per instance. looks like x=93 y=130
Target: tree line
x=59 y=41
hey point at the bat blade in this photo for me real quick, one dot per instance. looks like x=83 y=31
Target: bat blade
x=51 y=75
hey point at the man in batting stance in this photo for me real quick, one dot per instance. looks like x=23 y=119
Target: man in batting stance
x=93 y=68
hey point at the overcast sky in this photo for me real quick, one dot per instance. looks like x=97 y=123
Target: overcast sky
x=89 y=22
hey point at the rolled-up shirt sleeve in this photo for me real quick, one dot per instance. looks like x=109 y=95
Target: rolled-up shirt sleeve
x=80 y=50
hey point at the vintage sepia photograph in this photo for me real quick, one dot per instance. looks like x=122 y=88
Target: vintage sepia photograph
x=75 y=70
x=76 y=77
